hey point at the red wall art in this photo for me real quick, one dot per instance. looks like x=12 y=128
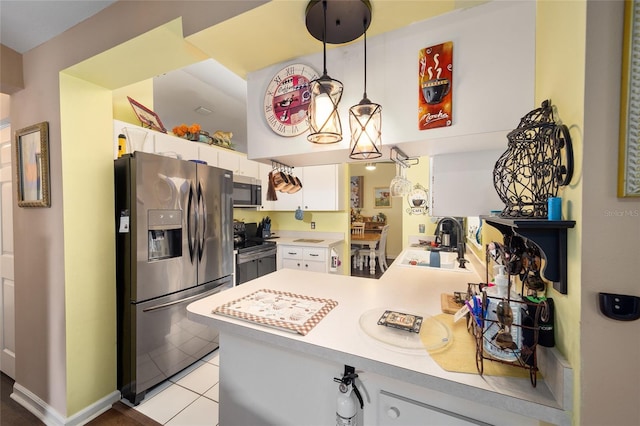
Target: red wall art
x=435 y=86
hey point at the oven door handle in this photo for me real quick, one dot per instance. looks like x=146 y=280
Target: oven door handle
x=258 y=254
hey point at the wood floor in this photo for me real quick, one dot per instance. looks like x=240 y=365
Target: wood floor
x=13 y=414
x=364 y=273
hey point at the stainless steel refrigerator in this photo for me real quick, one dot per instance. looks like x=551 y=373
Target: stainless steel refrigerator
x=174 y=242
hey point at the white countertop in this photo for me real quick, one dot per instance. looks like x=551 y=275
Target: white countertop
x=320 y=239
x=339 y=337
x=296 y=241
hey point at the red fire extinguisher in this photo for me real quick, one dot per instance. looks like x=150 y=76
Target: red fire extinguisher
x=346 y=407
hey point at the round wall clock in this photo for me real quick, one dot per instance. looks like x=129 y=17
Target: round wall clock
x=287 y=99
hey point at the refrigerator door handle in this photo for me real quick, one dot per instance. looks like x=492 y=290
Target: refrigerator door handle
x=190 y=225
x=202 y=221
x=186 y=299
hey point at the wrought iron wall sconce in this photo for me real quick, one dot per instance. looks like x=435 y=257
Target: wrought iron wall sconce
x=537 y=162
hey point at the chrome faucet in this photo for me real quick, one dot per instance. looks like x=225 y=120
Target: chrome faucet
x=460 y=249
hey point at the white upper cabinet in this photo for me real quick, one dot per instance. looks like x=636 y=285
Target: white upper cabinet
x=169 y=144
x=462 y=184
x=238 y=163
x=322 y=189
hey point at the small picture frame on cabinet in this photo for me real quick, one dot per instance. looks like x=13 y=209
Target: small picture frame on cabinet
x=148 y=118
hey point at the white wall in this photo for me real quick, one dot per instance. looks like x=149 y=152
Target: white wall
x=493 y=47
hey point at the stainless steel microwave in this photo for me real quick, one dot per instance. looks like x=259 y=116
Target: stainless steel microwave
x=247 y=191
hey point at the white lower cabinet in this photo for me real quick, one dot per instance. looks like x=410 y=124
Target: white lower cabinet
x=272 y=384
x=314 y=259
x=395 y=410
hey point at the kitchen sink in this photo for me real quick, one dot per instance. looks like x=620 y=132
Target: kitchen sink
x=420 y=259
x=307 y=240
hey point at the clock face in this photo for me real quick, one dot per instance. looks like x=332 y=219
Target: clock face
x=287 y=99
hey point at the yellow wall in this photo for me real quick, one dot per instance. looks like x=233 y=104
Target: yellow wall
x=418 y=173
x=89 y=244
x=141 y=92
x=560 y=76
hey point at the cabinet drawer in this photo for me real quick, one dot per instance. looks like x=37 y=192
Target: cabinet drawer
x=315 y=254
x=292 y=253
x=398 y=410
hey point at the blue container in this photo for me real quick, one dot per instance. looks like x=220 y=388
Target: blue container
x=554 y=208
x=434 y=259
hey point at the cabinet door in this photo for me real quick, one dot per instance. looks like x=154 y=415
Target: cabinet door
x=238 y=163
x=314 y=266
x=266 y=265
x=398 y=410
x=209 y=154
x=229 y=160
x=292 y=263
x=462 y=184
x=186 y=150
x=248 y=167
x=323 y=188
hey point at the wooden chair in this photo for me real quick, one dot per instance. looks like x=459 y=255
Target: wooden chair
x=357 y=228
x=380 y=251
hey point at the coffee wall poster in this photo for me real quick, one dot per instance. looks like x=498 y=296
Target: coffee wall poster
x=435 y=86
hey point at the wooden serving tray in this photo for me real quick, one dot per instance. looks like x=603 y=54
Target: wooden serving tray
x=448 y=303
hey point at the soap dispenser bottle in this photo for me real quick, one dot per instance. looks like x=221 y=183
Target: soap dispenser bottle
x=501 y=281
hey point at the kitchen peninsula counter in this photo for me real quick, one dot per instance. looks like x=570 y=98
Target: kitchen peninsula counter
x=266 y=371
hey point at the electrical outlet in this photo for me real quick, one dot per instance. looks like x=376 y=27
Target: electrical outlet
x=313 y=225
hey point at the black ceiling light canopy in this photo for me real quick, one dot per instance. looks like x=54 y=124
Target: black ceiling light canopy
x=344 y=19
x=335 y=21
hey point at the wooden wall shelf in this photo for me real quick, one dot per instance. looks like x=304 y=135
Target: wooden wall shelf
x=549 y=235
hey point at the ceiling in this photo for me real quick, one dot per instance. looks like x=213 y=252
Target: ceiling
x=217 y=84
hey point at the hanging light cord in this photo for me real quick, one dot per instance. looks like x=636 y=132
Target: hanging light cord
x=324 y=36
x=364 y=24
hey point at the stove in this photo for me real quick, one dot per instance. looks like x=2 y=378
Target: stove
x=255 y=256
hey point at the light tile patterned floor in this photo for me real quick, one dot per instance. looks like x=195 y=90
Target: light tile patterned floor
x=189 y=398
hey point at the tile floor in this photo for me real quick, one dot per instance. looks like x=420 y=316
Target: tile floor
x=189 y=398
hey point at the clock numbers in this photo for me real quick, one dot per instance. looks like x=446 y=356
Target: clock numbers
x=287 y=99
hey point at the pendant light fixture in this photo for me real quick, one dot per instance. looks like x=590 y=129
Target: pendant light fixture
x=345 y=17
x=365 y=121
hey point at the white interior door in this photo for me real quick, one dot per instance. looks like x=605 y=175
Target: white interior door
x=7 y=299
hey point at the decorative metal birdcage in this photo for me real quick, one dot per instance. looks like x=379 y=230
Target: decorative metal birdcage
x=537 y=162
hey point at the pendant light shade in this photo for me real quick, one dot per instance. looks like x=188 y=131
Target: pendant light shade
x=365 y=122
x=324 y=120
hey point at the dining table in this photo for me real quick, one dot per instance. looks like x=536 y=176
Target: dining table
x=369 y=239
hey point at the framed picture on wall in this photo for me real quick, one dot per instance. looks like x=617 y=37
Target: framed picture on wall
x=357 y=183
x=381 y=197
